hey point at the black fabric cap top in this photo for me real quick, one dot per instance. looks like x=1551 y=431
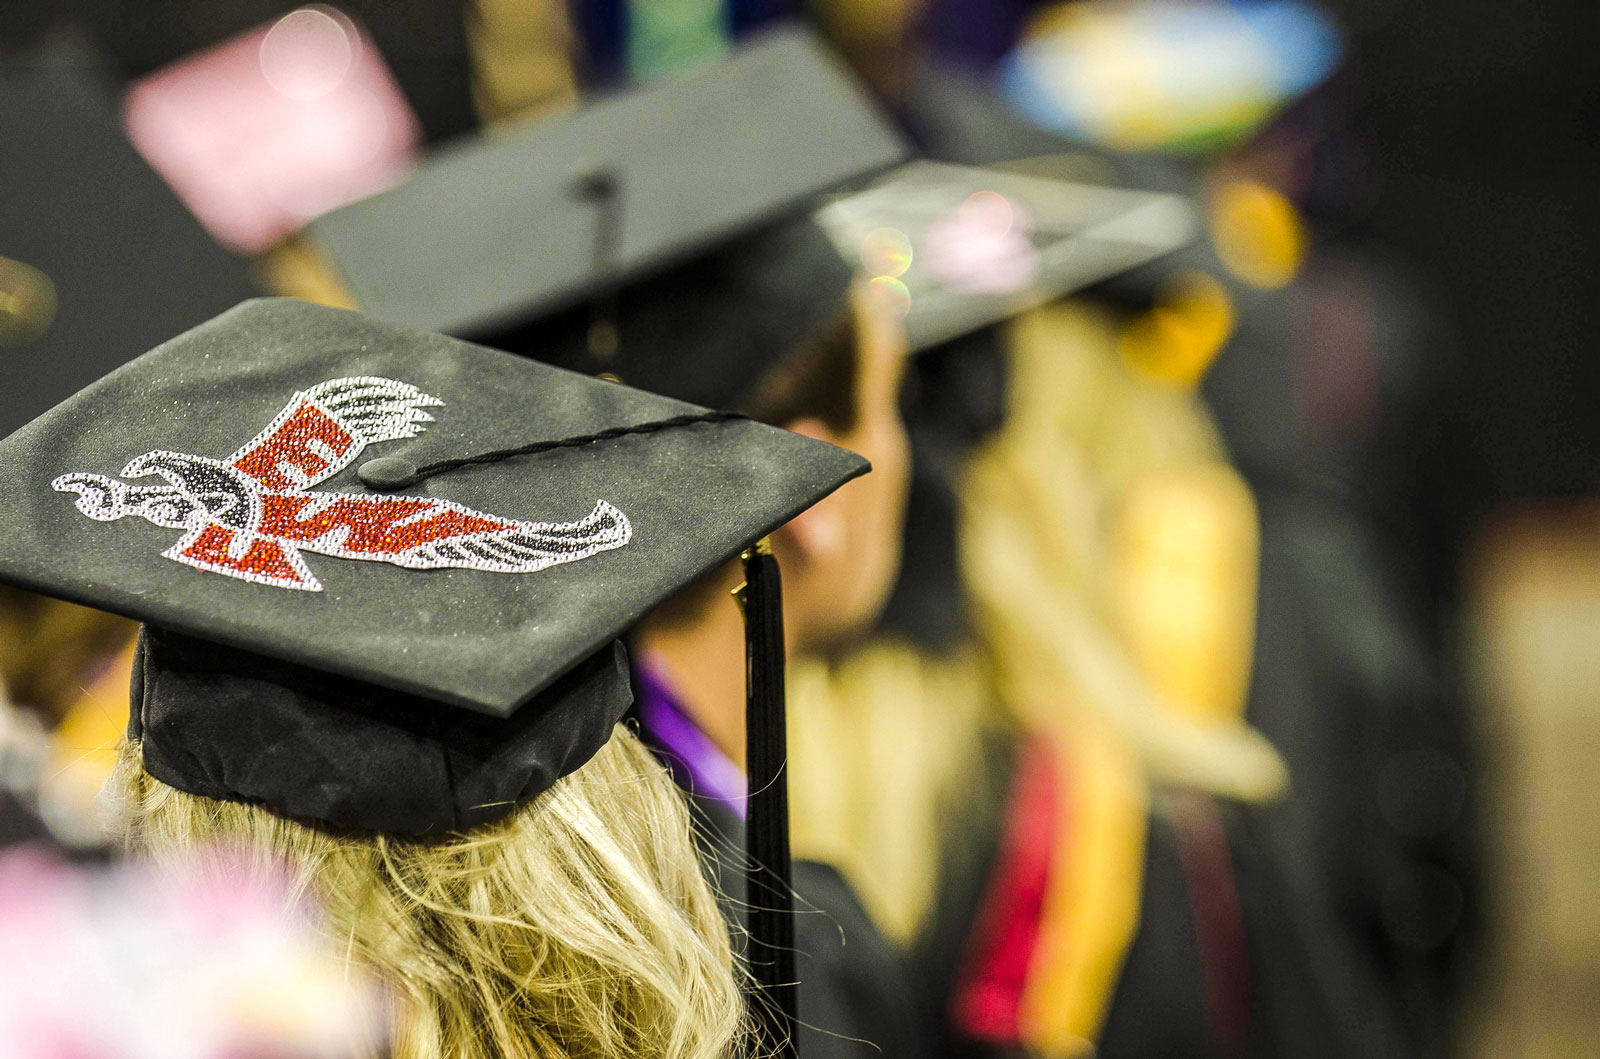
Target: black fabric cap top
x=967 y=246
x=498 y=231
x=303 y=626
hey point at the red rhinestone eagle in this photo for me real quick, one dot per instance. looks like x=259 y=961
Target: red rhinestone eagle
x=251 y=515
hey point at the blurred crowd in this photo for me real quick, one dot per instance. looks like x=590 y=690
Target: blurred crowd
x=1227 y=696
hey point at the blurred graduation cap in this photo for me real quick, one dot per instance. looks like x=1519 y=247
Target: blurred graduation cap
x=497 y=231
x=961 y=247
x=98 y=260
x=261 y=132
x=954 y=249
x=383 y=572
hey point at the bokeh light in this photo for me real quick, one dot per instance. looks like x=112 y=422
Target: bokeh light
x=983 y=246
x=988 y=212
x=1167 y=74
x=886 y=252
x=27 y=302
x=309 y=52
x=890 y=295
x=1258 y=233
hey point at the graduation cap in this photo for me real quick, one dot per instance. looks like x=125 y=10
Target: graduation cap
x=383 y=572
x=99 y=261
x=627 y=212
x=954 y=249
x=962 y=247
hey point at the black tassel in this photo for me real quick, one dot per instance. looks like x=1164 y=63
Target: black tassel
x=767 y=880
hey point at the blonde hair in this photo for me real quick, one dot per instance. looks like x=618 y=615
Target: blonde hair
x=579 y=925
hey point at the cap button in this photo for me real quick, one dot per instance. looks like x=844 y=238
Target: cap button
x=387 y=473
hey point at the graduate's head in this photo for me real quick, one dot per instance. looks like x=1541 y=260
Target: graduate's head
x=840 y=557
x=578 y=924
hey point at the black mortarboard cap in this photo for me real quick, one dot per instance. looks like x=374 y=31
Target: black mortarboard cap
x=498 y=230
x=99 y=261
x=411 y=660
x=964 y=247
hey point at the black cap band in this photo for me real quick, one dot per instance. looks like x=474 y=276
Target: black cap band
x=228 y=724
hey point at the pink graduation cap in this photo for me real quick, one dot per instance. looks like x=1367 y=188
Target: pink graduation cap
x=278 y=125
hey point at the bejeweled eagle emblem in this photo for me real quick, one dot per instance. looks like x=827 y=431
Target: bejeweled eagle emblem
x=252 y=514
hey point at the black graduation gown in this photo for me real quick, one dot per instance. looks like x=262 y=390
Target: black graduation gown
x=1231 y=960
x=1158 y=1008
